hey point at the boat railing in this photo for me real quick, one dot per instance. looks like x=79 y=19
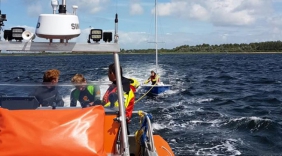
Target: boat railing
x=150 y=145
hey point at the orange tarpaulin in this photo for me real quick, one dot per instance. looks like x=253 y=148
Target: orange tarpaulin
x=52 y=132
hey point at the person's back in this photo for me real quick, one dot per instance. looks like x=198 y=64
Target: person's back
x=87 y=95
x=48 y=94
x=110 y=98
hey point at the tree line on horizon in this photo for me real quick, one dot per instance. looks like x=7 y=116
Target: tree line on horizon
x=268 y=46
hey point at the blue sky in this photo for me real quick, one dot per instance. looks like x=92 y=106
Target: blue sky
x=180 y=22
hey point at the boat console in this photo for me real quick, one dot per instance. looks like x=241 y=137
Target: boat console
x=18 y=103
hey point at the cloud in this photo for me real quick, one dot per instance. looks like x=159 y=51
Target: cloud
x=275 y=21
x=144 y=40
x=189 y=22
x=132 y=39
x=140 y=40
x=34 y=9
x=136 y=9
x=88 y=6
x=218 y=12
x=91 y=6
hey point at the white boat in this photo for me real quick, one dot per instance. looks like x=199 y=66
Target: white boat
x=28 y=129
x=160 y=87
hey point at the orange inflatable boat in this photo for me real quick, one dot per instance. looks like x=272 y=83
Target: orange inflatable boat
x=90 y=131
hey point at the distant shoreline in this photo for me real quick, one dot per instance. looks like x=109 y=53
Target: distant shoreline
x=209 y=53
x=122 y=53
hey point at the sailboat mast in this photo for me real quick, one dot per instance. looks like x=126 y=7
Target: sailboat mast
x=156 y=36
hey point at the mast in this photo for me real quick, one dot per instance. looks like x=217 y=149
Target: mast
x=156 y=36
x=1 y=21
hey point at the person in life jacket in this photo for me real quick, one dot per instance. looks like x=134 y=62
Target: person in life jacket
x=154 y=78
x=135 y=83
x=110 y=98
x=87 y=95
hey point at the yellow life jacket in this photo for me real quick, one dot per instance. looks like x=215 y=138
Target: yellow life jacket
x=135 y=83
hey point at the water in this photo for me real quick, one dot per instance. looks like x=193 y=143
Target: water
x=219 y=104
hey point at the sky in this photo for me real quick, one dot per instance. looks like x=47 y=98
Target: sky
x=180 y=22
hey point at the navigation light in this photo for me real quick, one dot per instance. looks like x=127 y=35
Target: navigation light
x=17 y=33
x=96 y=34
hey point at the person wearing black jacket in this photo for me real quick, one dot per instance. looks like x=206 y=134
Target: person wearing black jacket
x=48 y=94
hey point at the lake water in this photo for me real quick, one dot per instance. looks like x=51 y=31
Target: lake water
x=219 y=104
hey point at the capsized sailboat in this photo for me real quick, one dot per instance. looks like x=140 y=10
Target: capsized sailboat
x=28 y=129
x=159 y=87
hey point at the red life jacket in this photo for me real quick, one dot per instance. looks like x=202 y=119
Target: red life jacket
x=110 y=90
x=154 y=77
x=128 y=103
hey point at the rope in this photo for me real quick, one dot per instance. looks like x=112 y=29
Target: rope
x=145 y=93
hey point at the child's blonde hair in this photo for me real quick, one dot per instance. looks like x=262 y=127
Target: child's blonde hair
x=78 y=78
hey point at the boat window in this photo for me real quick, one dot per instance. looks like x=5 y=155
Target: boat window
x=28 y=95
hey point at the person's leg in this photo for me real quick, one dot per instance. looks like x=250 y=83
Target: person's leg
x=127 y=128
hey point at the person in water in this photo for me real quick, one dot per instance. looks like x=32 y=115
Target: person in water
x=154 y=78
x=110 y=98
x=48 y=94
x=87 y=95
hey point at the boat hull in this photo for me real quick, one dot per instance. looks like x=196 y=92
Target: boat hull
x=156 y=90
